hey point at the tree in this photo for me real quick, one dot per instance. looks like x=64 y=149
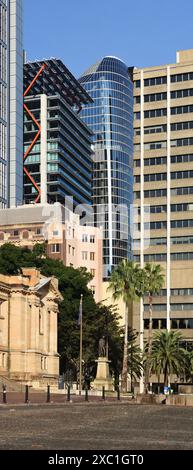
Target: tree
x=154 y=281
x=72 y=283
x=135 y=362
x=126 y=282
x=168 y=357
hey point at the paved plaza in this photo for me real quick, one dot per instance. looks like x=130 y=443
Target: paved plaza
x=95 y=426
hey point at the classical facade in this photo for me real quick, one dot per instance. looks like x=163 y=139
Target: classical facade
x=28 y=328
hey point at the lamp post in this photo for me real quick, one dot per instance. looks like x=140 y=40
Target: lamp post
x=80 y=364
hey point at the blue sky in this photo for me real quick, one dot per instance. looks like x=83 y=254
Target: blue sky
x=141 y=32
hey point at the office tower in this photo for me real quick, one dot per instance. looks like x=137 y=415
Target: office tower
x=110 y=117
x=11 y=103
x=57 y=143
x=163 y=189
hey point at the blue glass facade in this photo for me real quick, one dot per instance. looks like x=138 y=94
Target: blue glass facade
x=110 y=117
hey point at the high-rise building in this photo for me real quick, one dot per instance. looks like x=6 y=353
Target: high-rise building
x=11 y=103
x=57 y=143
x=163 y=190
x=110 y=117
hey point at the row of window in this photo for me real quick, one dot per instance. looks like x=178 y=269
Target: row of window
x=181 y=77
x=88 y=238
x=154 y=113
x=151 y=129
x=173 y=307
x=163 y=257
x=163 y=160
x=163 y=96
x=181 y=126
x=175 y=323
x=155 y=97
x=163 y=208
x=186 y=240
x=182 y=93
x=175 y=175
x=159 y=225
x=176 y=292
x=151 y=161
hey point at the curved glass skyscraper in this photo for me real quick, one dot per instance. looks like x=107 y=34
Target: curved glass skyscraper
x=110 y=117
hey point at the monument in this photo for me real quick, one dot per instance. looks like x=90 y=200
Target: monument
x=103 y=377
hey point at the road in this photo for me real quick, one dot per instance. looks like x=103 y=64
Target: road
x=96 y=426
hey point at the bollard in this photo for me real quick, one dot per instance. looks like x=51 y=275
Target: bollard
x=27 y=394
x=4 y=394
x=48 y=394
x=103 y=393
x=86 y=394
x=68 y=393
x=118 y=393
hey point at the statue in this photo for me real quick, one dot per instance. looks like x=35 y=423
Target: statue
x=102 y=347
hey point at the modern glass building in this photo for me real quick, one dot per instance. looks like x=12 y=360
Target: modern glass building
x=110 y=117
x=11 y=103
x=57 y=143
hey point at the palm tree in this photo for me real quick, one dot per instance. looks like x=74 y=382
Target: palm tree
x=154 y=281
x=135 y=362
x=126 y=282
x=168 y=357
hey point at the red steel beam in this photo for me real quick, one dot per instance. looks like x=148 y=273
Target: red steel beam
x=36 y=136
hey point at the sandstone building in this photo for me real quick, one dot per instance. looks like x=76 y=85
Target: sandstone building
x=28 y=328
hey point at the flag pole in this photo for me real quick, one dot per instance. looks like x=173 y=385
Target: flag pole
x=80 y=367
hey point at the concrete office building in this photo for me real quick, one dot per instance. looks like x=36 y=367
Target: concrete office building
x=11 y=103
x=163 y=180
x=57 y=143
x=110 y=117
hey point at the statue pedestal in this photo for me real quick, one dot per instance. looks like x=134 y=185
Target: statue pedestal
x=103 y=377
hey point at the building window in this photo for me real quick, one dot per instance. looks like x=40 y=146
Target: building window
x=93 y=290
x=182 y=223
x=84 y=238
x=55 y=233
x=155 y=97
x=137 y=84
x=40 y=322
x=155 y=129
x=155 y=145
x=92 y=238
x=73 y=232
x=84 y=255
x=15 y=233
x=69 y=249
x=182 y=93
x=137 y=115
x=155 y=177
x=155 y=193
x=73 y=251
x=92 y=256
x=182 y=77
x=155 y=81
x=38 y=231
x=92 y=271
x=55 y=248
x=153 y=113
x=182 y=109
x=137 y=99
